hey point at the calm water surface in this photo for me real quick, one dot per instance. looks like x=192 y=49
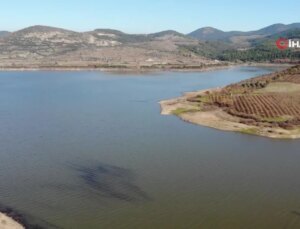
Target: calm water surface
x=90 y=150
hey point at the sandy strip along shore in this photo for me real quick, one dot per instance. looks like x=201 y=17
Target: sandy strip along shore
x=7 y=222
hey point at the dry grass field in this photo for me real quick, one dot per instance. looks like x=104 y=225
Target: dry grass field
x=271 y=100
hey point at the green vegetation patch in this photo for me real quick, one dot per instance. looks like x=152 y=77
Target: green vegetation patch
x=180 y=111
x=252 y=131
x=277 y=119
x=281 y=87
x=237 y=91
x=204 y=99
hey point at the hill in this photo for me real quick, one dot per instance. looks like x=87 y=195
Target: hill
x=4 y=33
x=238 y=38
x=213 y=34
x=49 y=47
x=262 y=49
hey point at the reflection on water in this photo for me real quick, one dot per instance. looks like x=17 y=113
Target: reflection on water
x=85 y=150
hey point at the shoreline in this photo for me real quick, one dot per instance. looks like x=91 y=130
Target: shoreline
x=11 y=219
x=129 y=69
x=119 y=69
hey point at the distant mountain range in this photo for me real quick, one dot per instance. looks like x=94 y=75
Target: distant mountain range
x=240 y=38
x=44 y=46
x=203 y=34
x=257 y=46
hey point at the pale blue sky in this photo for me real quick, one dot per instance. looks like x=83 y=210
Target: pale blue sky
x=145 y=16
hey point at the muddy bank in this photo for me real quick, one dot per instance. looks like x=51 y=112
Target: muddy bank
x=11 y=218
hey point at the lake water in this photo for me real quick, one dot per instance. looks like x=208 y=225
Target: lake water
x=89 y=150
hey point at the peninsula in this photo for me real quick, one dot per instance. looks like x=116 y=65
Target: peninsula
x=267 y=105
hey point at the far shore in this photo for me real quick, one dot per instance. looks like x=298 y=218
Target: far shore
x=143 y=69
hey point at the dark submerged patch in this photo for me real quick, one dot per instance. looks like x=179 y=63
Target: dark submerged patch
x=297 y=213
x=111 y=182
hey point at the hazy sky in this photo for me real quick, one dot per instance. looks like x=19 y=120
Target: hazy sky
x=144 y=16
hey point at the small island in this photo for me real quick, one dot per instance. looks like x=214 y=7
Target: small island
x=267 y=105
